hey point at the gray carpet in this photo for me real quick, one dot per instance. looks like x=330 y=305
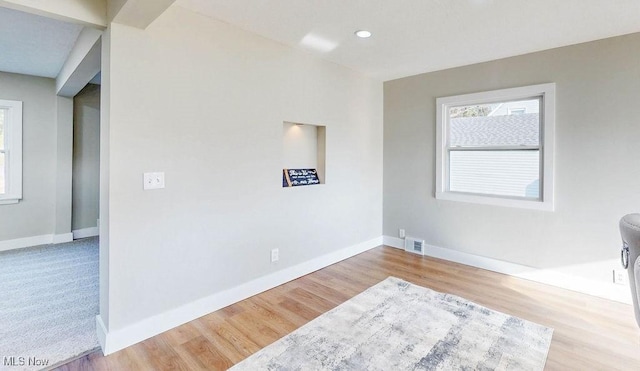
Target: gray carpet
x=396 y=325
x=49 y=303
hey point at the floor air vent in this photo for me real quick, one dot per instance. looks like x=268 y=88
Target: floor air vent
x=414 y=245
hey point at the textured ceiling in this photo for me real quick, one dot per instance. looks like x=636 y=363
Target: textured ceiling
x=34 y=45
x=416 y=36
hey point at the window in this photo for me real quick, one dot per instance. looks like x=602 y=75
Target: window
x=496 y=147
x=10 y=151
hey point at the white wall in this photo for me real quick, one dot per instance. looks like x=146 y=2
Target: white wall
x=86 y=157
x=45 y=209
x=300 y=146
x=596 y=173
x=205 y=102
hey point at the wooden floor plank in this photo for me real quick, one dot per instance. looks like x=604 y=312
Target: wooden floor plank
x=589 y=333
x=242 y=345
x=210 y=353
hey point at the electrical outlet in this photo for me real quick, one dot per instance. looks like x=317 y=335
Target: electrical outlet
x=401 y=233
x=620 y=276
x=275 y=255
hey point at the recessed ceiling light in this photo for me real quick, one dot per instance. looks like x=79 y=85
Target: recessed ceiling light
x=363 y=34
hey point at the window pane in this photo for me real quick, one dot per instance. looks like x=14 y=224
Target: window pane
x=2 y=172
x=497 y=124
x=500 y=173
x=3 y=114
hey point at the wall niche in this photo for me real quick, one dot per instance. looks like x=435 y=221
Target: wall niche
x=304 y=154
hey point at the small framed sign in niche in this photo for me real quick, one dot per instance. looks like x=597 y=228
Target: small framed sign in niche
x=304 y=153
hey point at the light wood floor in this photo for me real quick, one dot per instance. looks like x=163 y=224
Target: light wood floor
x=590 y=333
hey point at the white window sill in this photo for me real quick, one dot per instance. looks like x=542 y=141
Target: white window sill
x=9 y=201
x=495 y=201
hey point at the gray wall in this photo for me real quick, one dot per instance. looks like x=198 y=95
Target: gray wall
x=35 y=215
x=86 y=157
x=597 y=175
x=64 y=168
x=204 y=102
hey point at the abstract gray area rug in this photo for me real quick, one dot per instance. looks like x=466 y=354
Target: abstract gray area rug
x=49 y=304
x=396 y=325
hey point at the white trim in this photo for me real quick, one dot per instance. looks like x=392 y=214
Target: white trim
x=101 y=331
x=118 y=339
x=548 y=94
x=85 y=232
x=62 y=238
x=495 y=201
x=396 y=242
x=19 y=243
x=547 y=276
x=12 y=152
x=45 y=239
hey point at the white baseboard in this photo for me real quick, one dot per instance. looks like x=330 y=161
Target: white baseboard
x=19 y=243
x=62 y=238
x=101 y=331
x=547 y=276
x=396 y=242
x=45 y=239
x=117 y=339
x=85 y=232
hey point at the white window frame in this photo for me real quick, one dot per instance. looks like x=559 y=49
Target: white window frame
x=547 y=142
x=12 y=151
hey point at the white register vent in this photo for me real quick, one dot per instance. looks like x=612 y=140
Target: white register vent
x=414 y=245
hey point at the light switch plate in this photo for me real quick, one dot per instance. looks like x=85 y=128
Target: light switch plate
x=153 y=180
